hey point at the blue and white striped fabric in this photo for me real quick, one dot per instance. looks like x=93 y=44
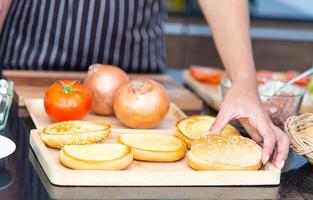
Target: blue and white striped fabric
x=72 y=34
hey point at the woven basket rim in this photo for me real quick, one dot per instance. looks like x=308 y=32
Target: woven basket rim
x=300 y=143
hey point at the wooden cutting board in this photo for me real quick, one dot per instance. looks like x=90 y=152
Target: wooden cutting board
x=39 y=117
x=145 y=173
x=170 y=192
x=33 y=84
x=212 y=95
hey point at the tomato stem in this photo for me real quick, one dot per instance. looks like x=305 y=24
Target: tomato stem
x=67 y=89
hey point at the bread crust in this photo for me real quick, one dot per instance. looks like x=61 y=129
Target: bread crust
x=88 y=137
x=184 y=138
x=229 y=129
x=199 y=165
x=224 y=152
x=120 y=163
x=155 y=155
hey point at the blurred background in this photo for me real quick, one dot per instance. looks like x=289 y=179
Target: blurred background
x=281 y=30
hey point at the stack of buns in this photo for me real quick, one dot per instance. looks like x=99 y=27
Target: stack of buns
x=77 y=141
x=79 y=149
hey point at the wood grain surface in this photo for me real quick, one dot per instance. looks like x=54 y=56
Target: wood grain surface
x=33 y=84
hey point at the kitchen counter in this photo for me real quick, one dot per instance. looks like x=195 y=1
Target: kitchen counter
x=21 y=176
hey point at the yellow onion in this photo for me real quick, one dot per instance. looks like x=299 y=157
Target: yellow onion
x=141 y=103
x=102 y=82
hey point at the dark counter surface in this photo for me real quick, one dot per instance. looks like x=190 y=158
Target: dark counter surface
x=21 y=176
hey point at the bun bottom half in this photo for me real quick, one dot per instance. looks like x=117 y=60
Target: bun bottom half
x=78 y=164
x=200 y=165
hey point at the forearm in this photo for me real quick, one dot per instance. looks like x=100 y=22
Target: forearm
x=4 y=8
x=229 y=22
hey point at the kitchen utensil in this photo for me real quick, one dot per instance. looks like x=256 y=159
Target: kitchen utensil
x=295 y=79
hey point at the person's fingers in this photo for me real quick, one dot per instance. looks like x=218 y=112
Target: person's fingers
x=222 y=119
x=263 y=126
x=274 y=155
x=282 y=148
x=254 y=134
x=268 y=146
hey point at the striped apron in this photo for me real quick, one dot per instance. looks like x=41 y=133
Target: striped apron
x=73 y=34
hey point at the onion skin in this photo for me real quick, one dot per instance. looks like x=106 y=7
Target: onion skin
x=102 y=82
x=142 y=103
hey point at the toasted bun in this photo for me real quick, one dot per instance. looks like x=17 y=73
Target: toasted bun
x=74 y=132
x=225 y=152
x=108 y=156
x=154 y=147
x=194 y=127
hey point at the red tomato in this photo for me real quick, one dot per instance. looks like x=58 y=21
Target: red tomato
x=67 y=100
x=302 y=82
x=206 y=74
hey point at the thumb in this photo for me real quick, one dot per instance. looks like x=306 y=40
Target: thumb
x=220 y=122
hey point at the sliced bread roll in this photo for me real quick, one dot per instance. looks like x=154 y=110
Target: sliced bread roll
x=154 y=147
x=108 y=156
x=74 y=132
x=195 y=127
x=225 y=152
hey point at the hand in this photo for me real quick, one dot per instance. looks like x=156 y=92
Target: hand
x=1 y=6
x=244 y=104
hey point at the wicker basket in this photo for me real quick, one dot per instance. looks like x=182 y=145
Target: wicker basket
x=300 y=143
